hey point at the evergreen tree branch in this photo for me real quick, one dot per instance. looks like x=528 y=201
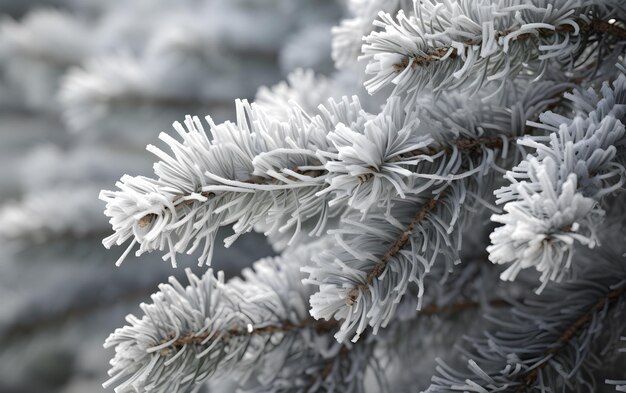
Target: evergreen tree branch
x=570 y=332
x=318 y=326
x=283 y=177
x=380 y=267
x=241 y=327
x=178 y=343
x=546 y=341
x=379 y=255
x=446 y=46
x=589 y=27
x=554 y=199
x=348 y=36
x=391 y=194
x=463 y=145
x=243 y=177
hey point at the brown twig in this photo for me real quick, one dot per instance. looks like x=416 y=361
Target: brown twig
x=343 y=353
x=466 y=145
x=599 y=26
x=258 y=180
x=319 y=326
x=192 y=339
x=421 y=61
x=395 y=248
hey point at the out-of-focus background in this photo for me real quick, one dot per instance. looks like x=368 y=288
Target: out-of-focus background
x=84 y=86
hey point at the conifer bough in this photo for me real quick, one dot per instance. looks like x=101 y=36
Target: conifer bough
x=511 y=107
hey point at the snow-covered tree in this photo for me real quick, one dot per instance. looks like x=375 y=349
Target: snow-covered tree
x=465 y=233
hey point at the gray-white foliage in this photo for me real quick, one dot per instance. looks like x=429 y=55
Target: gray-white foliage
x=555 y=197
x=254 y=326
x=374 y=207
x=379 y=254
x=302 y=88
x=348 y=36
x=449 y=45
x=552 y=342
x=258 y=169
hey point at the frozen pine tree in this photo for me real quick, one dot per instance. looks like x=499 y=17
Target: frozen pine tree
x=460 y=230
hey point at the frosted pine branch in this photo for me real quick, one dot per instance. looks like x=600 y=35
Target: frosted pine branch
x=348 y=36
x=379 y=255
x=445 y=46
x=533 y=348
x=258 y=169
x=393 y=179
x=372 y=165
x=257 y=326
x=212 y=328
x=283 y=176
x=362 y=279
x=555 y=197
x=244 y=165
x=394 y=193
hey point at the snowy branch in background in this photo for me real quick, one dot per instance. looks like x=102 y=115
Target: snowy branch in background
x=303 y=88
x=55 y=214
x=59 y=189
x=51 y=166
x=42 y=46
